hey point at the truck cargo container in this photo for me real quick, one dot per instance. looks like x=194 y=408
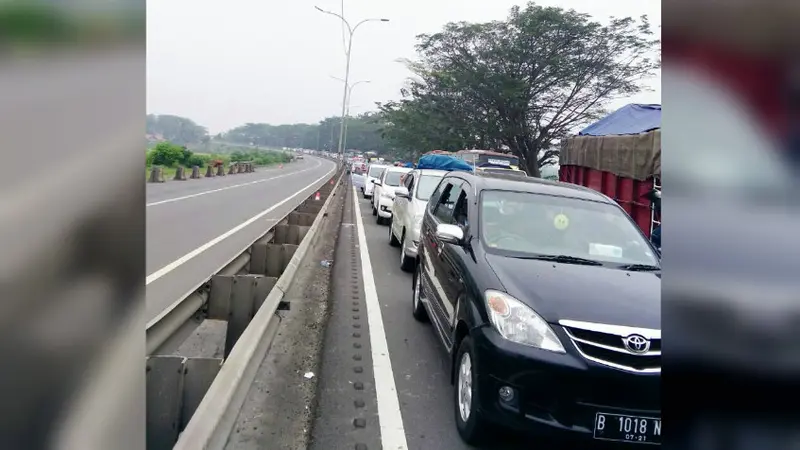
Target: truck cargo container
x=619 y=156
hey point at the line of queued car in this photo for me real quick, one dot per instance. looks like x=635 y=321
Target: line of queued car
x=546 y=295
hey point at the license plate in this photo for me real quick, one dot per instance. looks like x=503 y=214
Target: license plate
x=624 y=428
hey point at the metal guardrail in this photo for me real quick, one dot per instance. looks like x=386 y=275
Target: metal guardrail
x=193 y=402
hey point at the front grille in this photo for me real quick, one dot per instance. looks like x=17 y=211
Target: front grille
x=608 y=348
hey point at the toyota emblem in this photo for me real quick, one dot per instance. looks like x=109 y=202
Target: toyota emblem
x=636 y=343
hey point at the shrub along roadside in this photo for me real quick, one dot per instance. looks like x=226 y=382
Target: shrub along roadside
x=169 y=156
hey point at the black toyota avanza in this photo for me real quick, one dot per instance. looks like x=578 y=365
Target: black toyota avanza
x=548 y=298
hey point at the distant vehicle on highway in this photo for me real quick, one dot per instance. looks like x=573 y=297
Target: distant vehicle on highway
x=548 y=298
x=300 y=156
x=373 y=173
x=408 y=210
x=384 y=192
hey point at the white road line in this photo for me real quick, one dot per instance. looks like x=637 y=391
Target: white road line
x=183 y=259
x=393 y=435
x=177 y=199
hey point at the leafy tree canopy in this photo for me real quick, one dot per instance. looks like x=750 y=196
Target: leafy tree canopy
x=522 y=83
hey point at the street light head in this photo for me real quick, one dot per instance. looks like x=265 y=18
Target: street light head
x=384 y=20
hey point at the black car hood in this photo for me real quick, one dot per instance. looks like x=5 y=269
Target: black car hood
x=578 y=292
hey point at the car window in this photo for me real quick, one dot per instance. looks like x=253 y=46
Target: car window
x=409 y=182
x=447 y=201
x=434 y=199
x=375 y=171
x=392 y=178
x=461 y=210
x=427 y=183
x=520 y=224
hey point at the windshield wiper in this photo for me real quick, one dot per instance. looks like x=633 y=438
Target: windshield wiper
x=640 y=268
x=564 y=259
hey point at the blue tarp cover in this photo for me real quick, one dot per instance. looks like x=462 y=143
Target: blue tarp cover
x=630 y=119
x=443 y=162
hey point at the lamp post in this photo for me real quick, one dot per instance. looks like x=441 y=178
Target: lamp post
x=347 y=110
x=351 y=30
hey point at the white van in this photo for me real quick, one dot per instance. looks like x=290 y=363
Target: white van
x=374 y=172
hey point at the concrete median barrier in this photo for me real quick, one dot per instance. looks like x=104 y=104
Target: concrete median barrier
x=233 y=169
x=195 y=172
x=180 y=174
x=156 y=175
x=221 y=171
x=210 y=172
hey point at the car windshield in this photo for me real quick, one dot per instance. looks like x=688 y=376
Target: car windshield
x=527 y=225
x=375 y=171
x=427 y=183
x=393 y=178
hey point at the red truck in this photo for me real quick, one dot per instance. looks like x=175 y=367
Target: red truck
x=620 y=156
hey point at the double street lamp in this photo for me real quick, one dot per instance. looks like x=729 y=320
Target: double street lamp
x=346 y=91
x=347 y=109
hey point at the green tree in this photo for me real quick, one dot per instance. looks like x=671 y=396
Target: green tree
x=165 y=154
x=524 y=82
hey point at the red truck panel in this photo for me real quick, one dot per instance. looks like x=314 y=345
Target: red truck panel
x=625 y=191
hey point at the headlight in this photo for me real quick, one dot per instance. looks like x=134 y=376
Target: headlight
x=518 y=323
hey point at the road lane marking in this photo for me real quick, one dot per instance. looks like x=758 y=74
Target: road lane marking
x=198 y=194
x=393 y=435
x=183 y=259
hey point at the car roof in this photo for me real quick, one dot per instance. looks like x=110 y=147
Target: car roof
x=431 y=172
x=399 y=169
x=508 y=182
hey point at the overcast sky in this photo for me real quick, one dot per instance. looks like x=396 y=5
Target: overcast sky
x=226 y=63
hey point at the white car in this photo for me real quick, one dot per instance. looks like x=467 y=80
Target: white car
x=385 y=189
x=408 y=210
x=373 y=174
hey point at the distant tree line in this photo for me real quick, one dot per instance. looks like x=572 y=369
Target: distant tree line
x=176 y=129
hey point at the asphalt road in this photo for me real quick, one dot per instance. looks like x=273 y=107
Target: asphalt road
x=189 y=223
x=401 y=357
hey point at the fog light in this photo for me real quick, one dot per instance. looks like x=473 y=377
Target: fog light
x=506 y=394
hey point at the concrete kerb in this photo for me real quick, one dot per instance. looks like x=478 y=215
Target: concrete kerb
x=213 y=421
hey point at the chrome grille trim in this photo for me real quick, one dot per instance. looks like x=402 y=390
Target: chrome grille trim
x=616 y=331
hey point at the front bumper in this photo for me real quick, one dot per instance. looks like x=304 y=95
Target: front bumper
x=555 y=394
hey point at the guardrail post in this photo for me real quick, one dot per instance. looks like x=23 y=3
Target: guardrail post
x=164 y=396
x=236 y=299
x=232 y=169
x=175 y=387
x=270 y=259
x=195 y=172
x=221 y=170
x=210 y=172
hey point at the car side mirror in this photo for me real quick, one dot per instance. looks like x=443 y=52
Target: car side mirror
x=402 y=192
x=450 y=234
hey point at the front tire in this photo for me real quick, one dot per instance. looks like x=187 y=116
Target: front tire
x=406 y=262
x=374 y=210
x=392 y=240
x=470 y=423
x=417 y=308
